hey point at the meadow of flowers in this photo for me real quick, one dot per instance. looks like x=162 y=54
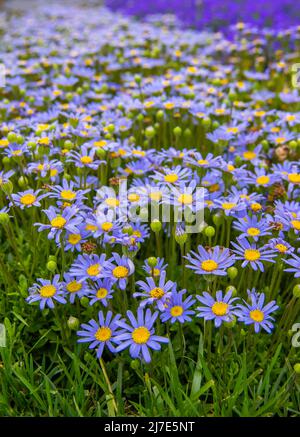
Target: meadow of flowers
x=116 y=135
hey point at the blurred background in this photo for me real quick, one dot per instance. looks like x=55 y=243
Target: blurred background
x=217 y=14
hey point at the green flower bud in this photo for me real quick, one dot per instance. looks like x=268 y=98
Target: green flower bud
x=67 y=176
x=138 y=79
x=4 y=218
x=73 y=323
x=177 y=131
x=152 y=261
x=20 y=139
x=100 y=153
x=238 y=160
x=31 y=144
x=231 y=289
x=296 y=291
x=69 y=96
x=217 y=219
x=150 y=132
x=12 y=137
x=293 y=144
x=52 y=258
x=180 y=236
x=160 y=115
x=140 y=117
x=209 y=231
x=297 y=368
x=51 y=266
x=6 y=160
x=79 y=91
x=84 y=302
x=111 y=128
x=127 y=230
x=265 y=145
x=232 y=272
x=107 y=136
x=206 y=123
x=68 y=145
x=215 y=124
x=243 y=332
x=187 y=133
x=22 y=181
x=156 y=225
x=7 y=187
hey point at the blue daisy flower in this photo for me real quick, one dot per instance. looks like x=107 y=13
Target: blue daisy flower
x=46 y=291
x=178 y=309
x=220 y=309
x=213 y=261
x=140 y=336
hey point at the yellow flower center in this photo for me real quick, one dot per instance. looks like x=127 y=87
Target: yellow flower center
x=156 y=196
x=233 y=130
x=90 y=227
x=253 y=232
x=112 y=201
x=296 y=224
x=100 y=144
x=141 y=335
x=47 y=291
x=101 y=293
x=256 y=206
x=157 y=293
x=249 y=155
x=93 y=270
x=280 y=140
x=209 y=265
x=156 y=272
x=28 y=199
x=186 y=199
x=74 y=286
x=58 y=222
x=172 y=177
x=230 y=167
x=68 y=195
x=263 y=180
x=74 y=238
x=120 y=272
x=294 y=178
x=202 y=162
x=281 y=248
x=103 y=334
x=257 y=315
x=86 y=160
x=251 y=254
x=228 y=205
x=106 y=226
x=176 y=311
x=169 y=105
x=133 y=197
x=220 y=308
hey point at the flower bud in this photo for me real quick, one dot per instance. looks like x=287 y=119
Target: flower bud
x=152 y=261
x=20 y=139
x=4 y=218
x=180 y=236
x=52 y=258
x=206 y=123
x=160 y=115
x=296 y=291
x=68 y=145
x=140 y=117
x=137 y=79
x=111 y=128
x=150 y=132
x=156 y=225
x=22 y=181
x=84 y=302
x=297 y=368
x=7 y=187
x=31 y=144
x=209 y=231
x=177 y=131
x=12 y=137
x=73 y=323
x=293 y=144
x=232 y=272
x=231 y=289
x=187 y=133
x=51 y=266
x=217 y=219
x=100 y=153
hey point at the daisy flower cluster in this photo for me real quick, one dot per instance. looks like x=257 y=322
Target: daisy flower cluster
x=106 y=121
